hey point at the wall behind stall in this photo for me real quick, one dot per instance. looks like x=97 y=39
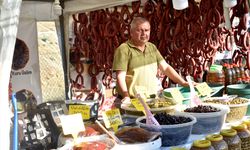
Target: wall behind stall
x=27 y=80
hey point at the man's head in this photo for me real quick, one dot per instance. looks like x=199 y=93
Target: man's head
x=139 y=30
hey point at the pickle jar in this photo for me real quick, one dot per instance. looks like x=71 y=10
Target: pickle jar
x=244 y=135
x=202 y=145
x=231 y=138
x=217 y=141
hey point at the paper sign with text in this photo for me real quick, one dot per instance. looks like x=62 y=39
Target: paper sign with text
x=83 y=109
x=138 y=105
x=112 y=118
x=176 y=94
x=204 y=89
x=72 y=124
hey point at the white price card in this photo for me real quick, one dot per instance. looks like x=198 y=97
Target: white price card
x=72 y=124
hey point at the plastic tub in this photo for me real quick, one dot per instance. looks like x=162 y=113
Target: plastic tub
x=212 y=122
x=242 y=90
x=237 y=112
x=153 y=145
x=172 y=135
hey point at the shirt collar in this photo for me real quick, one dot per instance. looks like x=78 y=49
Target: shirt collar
x=132 y=45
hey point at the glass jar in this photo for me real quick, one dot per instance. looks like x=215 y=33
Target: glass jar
x=244 y=135
x=231 y=138
x=202 y=145
x=217 y=141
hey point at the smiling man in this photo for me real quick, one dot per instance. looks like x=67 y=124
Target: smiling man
x=136 y=62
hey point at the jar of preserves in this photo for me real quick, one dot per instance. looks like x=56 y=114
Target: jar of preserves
x=244 y=135
x=217 y=141
x=202 y=145
x=231 y=138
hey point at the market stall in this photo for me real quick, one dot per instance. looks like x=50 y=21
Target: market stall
x=189 y=35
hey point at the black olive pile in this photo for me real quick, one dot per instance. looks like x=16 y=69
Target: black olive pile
x=167 y=119
x=202 y=109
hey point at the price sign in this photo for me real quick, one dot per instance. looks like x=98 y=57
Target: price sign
x=204 y=89
x=138 y=105
x=176 y=94
x=83 y=109
x=112 y=118
x=72 y=124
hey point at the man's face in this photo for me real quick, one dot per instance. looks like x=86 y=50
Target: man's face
x=141 y=33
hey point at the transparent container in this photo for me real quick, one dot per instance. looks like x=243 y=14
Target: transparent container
x=202 y=145
x=217 y=141
x=231 y=138
x=172 y=135
x=244 y=135
x=211 y=122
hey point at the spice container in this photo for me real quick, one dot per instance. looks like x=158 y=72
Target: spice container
x=244 y=135
x=231 y=138
x=217 y=141
x=202 y=145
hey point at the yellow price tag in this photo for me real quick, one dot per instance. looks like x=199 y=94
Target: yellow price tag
x=83 y=109
x=138 y=105
x=112 y=118
x=204 y=89
x=176 y=94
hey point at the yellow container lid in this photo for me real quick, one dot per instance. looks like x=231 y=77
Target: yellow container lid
x=214 y=137
x=240 y=127
x=201 y=143
x=228 y=132
x=247 y=122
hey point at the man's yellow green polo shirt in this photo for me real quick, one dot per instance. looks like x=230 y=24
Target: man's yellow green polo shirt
x=141 y=67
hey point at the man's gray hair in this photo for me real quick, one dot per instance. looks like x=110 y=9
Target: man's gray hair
x=136 y=21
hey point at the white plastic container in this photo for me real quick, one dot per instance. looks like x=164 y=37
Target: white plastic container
x=172 y=135
x=154 y=145
x=180 y=4
x=211 y=122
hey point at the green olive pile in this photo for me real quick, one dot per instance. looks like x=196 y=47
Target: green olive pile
x=236 y=100
x=202 y=109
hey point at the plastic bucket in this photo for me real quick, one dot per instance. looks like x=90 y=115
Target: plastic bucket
x=172 y=135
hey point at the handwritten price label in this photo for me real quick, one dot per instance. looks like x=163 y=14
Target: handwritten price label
x=83 y=109
x=204 y=89
x=138 y=105
x=176 y=94
x=112 y=118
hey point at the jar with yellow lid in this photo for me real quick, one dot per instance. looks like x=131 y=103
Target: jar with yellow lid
x=231 y=138
x=202 y=145
x=244 y=135
x=217 y=141
x=247 y=122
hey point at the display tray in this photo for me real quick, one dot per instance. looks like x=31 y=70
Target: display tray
x=129 y=108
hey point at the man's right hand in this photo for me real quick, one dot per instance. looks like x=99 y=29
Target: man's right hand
x=126 y=100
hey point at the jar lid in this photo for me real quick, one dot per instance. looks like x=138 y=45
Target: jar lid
x=240 y=127
x=247 y=122
x=228 y=132
x=214 y=137
x=201 y=143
